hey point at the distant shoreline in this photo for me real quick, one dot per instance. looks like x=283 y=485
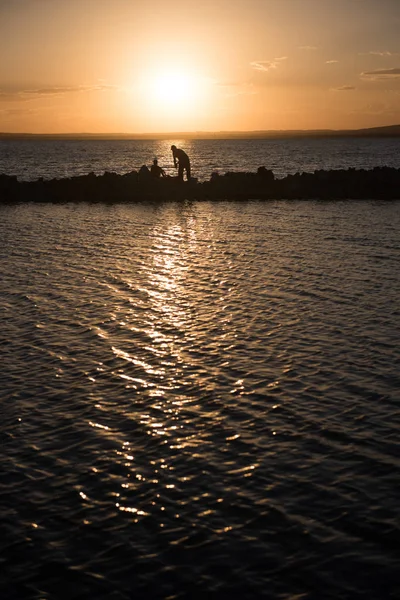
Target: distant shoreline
x=392 y=131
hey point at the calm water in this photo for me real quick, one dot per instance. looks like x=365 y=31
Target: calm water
x=200 y=400
x=29 y=160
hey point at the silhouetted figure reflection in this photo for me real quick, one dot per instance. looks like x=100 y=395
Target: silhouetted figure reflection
x=181 y=160
x=156 y=171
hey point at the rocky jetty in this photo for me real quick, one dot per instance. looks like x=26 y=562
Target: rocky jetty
x=378 y=183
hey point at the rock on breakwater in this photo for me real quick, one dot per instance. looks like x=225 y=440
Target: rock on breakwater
x=378 y=183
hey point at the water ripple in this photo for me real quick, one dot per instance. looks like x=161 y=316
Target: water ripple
x=200 y=399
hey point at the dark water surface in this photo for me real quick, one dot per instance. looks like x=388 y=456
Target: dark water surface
x=200 y=400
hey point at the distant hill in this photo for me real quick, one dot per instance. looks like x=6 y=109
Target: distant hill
x=391 y=130
x=387 y=131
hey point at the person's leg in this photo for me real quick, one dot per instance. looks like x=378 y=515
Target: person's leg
x=180 y=171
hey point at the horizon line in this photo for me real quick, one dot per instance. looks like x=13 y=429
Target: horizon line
x=201 y=133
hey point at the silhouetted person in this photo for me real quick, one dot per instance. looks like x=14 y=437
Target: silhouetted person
x=181 y=160
x=156 y=171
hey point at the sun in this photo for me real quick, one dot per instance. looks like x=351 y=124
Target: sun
x=173 y=98
x=173 y=88
x=180 y=89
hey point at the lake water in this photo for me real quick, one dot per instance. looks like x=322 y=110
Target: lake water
x=29 y=160
x=200 y=400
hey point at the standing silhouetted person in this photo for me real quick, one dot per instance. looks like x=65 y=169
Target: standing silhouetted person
x=156 y=171
x=181 y=160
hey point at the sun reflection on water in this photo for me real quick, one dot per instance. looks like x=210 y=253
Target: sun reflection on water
x=156 y=367
x=158 y=330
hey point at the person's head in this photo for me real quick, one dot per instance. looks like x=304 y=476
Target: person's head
x=155 y=162
x=173 y=147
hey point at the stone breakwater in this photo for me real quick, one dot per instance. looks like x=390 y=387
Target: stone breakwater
x=378 y=183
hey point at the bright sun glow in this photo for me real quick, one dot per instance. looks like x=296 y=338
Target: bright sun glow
x=174 y=88
x=173 y=99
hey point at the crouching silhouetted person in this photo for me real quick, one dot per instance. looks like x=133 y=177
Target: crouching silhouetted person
x=181 y=161
x=156 y=171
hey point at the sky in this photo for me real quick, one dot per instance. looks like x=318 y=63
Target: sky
x=126 y=66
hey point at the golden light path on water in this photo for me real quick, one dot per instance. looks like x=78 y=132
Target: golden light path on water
x=171 y=377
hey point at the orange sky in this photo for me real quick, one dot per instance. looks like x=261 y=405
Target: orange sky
x=125 y=66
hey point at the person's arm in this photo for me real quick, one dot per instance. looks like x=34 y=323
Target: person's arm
x=175 y=163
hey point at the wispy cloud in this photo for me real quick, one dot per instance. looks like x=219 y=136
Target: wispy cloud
x=263 y=65
x=308 y=48
x=381 y=74
x=17 y=112
x=377 y=53
x=344 y=88
x=267 y=65
x=26 y=95
x=55 y=91
x=331 y=62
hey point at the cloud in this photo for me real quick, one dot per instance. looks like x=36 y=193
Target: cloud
x=308 y=48
x=344 y=88
x=267 y=65
x=375 y=53
x=331 y=62
x=263 y=65
x=56 y=91
x=17 y=112
x=33 y=94
x=381 y=74
x=51 y=91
